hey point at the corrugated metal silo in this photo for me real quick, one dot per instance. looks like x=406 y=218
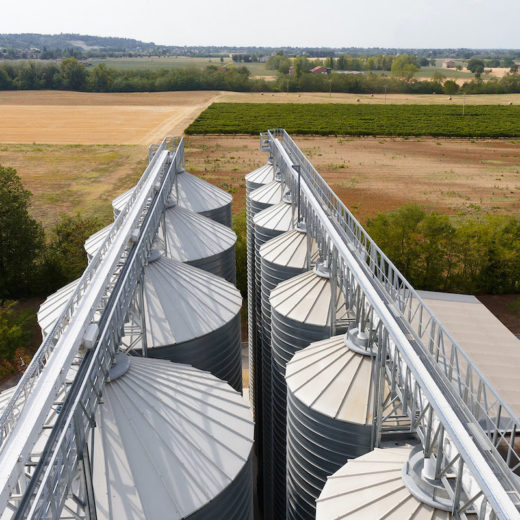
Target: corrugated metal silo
x=200 y=242
x=190 y=238
x=282 y=257
x=329 y=418
x=171 y=442
x=372 y=487
x=256 y=201
x=259 y=177
x=192 y=316
x=191 y=192
x=301 y=310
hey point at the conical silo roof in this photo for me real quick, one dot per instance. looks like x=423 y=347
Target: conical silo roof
x=172 y=442
x=265 y=196
x=50 y=310
x=371 y=487
x=329 y=417
x=194 y=193
x=191 y=238
x=193 y=317
x=259 y=177
x=191 y=192
x=282 y=257
x=200 y=242
x=121 y=201
x=300 y=315
x=95 y=241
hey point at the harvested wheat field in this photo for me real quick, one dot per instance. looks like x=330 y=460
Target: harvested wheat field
x=378 y=174
x=55 y=117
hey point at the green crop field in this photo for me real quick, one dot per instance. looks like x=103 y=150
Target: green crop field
x=350 y=119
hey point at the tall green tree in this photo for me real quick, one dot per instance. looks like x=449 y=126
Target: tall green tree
x=74 y=74
x=21 y=236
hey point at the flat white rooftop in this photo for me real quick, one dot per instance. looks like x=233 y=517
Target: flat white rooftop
x=493 y=348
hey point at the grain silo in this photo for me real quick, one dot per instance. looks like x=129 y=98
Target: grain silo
x=259 y=177
x=282 y=257
x=372 y=487
x=190 y=238
x=171 y=441
x=329 y=417
x=256 y=201
x=50 y=310
x=199 y=241
x=301 y=311
x=191 y=192
x=192 y=316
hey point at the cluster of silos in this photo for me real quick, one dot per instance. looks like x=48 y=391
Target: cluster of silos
x=329 y=416
x=282 y=258
x=191 y=192
x=171 y=441
x=372 y=487
x=304 y=309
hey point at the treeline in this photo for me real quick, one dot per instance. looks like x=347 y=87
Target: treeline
x=32 y=263
x=477 y=255
x=72 y=74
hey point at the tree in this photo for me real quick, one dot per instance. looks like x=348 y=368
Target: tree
x=74 y=74
x=21 y=237
x=450 y=87
x=404 y=66
x=66 y=245
x=438 y=76
x=15 y=330
x=101 y=78
x=476 y=66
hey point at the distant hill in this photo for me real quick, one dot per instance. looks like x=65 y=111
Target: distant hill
x=27 y=41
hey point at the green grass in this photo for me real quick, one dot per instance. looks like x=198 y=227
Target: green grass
x=169 y=62
x=350 y=119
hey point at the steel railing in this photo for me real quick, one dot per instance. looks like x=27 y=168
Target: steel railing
x=473 y=410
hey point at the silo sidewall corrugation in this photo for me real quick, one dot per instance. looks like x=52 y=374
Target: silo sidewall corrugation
x=235 y=502
x=222 y=214
x=317 y=446
x=287 y=336
x=221 y=264
x=217 y=352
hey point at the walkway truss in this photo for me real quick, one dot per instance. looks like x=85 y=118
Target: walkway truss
x=467 y=431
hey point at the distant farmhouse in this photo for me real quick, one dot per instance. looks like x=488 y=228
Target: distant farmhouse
x=320 y=69
x=448 y=64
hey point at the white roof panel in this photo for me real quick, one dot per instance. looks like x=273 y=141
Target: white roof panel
x=261 y=175
x=492 y=347
x=169 y=439
x=51 y=309
x=289 y=249
x=306 y=298
x=269 y=194
x=279 y=217
x=183 y=302
x=371 y=487
x=95 y=241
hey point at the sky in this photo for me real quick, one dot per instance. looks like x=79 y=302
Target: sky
x=302 y=23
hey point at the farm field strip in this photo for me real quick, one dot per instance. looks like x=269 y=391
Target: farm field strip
x=349 y=119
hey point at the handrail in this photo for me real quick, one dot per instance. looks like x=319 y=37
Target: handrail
x=37 y=364
x=446 y=389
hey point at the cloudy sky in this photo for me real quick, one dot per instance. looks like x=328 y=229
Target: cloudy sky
x=335 y=23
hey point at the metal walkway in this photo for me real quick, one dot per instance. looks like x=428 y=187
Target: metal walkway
x=460 y=419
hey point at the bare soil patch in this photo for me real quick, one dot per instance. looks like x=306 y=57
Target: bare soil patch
x=378 y=174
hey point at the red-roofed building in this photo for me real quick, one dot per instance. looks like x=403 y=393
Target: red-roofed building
x=319 y=70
